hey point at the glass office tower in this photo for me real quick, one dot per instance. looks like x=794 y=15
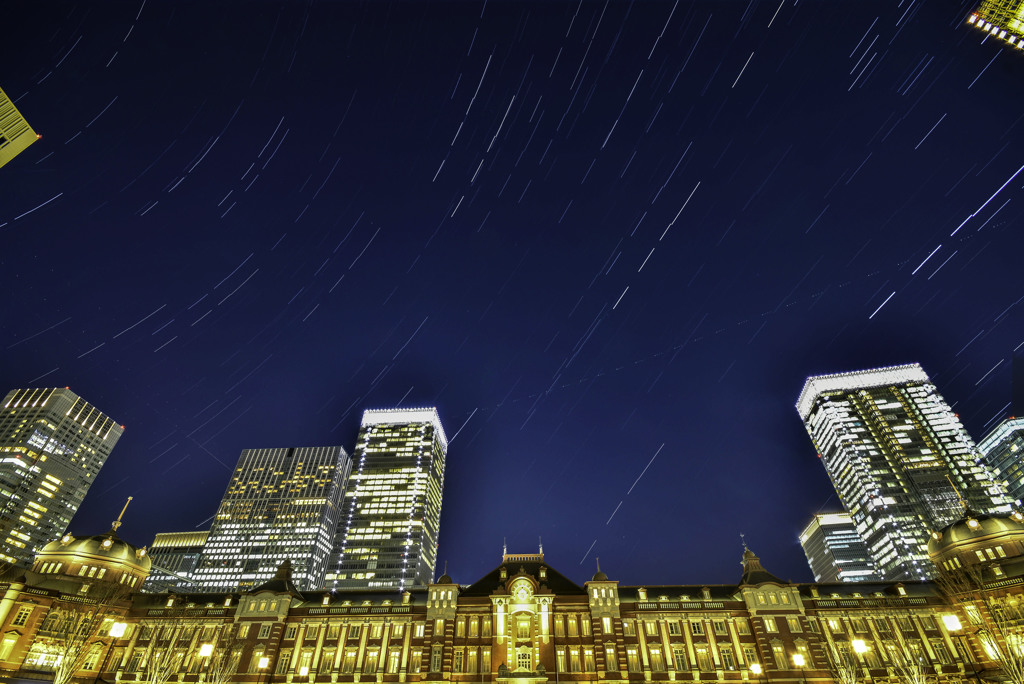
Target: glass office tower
x=281 y=504
x=1002 y=450
x=52 y=445
x=899 y=459
x=389 y=531
x=835 y=551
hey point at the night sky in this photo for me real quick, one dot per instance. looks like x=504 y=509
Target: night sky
x=609 y=241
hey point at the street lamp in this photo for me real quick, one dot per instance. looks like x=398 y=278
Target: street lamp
x=262 y=665
x=952 y=624
x=205 y=651
x=117 y=631
x=757 y=670
x=800 y=662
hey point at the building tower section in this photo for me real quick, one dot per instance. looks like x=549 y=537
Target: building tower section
x=52 y=445
x=835 y=551
x=900 y=460
x=1002 y=450
x=389 y=532
x=281 y=504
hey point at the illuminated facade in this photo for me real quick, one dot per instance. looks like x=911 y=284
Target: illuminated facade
x=15 y=133
x=52 y=445
x=523 y=623
x=1002 y=450
x=1003 y=19
x=281 y=504
x=389 y=531
x=835 y=551
x=891 y=444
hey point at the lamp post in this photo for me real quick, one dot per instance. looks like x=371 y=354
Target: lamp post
x=757 y=670
x=262 y=665
x=117 y=631
x=953 y=625
x=801 y=663
x=205 y=651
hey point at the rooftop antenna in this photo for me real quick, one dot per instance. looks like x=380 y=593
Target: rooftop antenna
x=963 y=504
x=597 y=559
x=117 y=523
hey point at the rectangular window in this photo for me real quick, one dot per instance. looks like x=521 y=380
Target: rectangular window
x=485 y=626
x=571 y=623
x=769 y=625
x=376 y=630
x=471 y=660
x=574 y=660
x=650 y=628
x=327 y=661
x=584 y=626
x=333 y=630
x=703 y=658
x=559 y=626
x=779 y=653
x=720 y=628
x=627 y=628
x=697 y=628
x=524 y=661
x=264 y=631
x=435 y=659
x=679 y=657
x=941 y=654
x=632 y=660
x=290 y=633
x=418 y=632
x=611 y=660
x=673 y=627
x=485 y=660
x=460 y=627
x=348 y=666
x=353 y=632
x=523 y=628
x=794 y=624
x=750 y=655
x=606 y=625
x=457 y=666
x=283 y=661
x=728 y=660
x=474 y=627
x=657 y=662
x=22 y=617
x=742 y=626
x=415 y=661
x=588 y=660
x=438 y=627
x=370 y=664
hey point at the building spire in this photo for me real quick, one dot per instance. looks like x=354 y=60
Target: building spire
x=540 y=543
x=504 y=546
x=743 y=541
x=117 y=523
x=963 y=504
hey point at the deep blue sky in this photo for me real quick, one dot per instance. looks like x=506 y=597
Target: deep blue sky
x=589 y=234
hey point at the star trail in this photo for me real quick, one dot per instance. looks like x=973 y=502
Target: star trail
x=608 y=240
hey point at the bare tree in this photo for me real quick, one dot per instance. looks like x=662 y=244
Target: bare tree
x=995 y=616
x=225 y=658
x=75 y=627
x=174 y=642
x=842 y=662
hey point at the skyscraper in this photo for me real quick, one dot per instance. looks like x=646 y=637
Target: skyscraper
x=1002 y=450
x=899 y=459
x=280 y=504
x=1003 y=19
x=835 y=551
x=392 y=511
x=15 y=133
x=174 y=557
x=52 y=445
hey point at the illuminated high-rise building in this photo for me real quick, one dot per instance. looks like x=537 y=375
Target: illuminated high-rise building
x=52 y=445
x=15 y=133
x=392 y=511
x=1003 y=19
x=1002 y=450
x=174 y=557
x=835 y=551
x=281 y=504
x=900 y=460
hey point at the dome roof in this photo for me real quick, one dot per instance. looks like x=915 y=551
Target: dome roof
x=599 y=577
x=107 y=549
x=974 y=528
